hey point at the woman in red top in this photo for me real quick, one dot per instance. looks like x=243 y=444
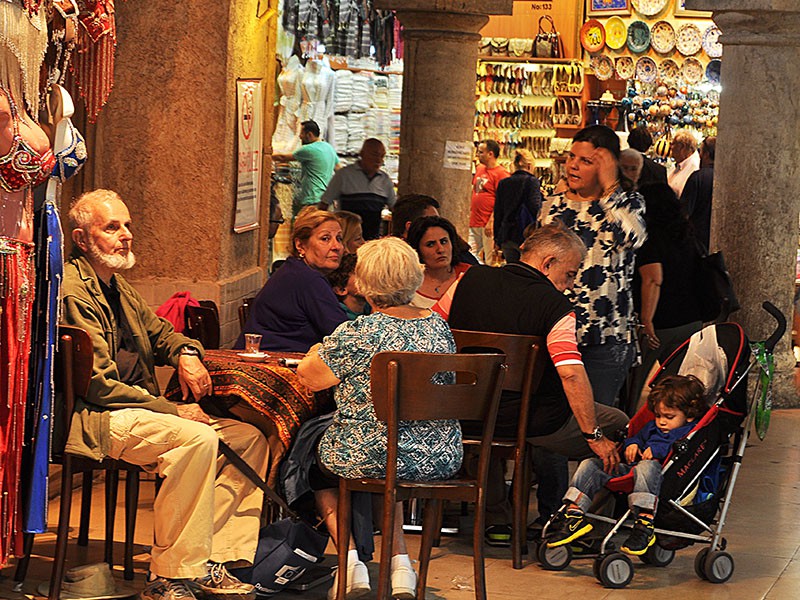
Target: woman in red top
x=434 y=239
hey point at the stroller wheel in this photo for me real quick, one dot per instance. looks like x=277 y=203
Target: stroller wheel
x=554 y=559
x=615 y=570
x=718 y=566
x=657 y=556
x=700 y=564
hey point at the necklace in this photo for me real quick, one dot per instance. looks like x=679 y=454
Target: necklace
x=449 y=276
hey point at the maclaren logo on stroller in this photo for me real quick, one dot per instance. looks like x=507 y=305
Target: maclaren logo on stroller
x=697 y=453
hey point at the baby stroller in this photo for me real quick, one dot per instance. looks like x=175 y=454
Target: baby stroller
x=700 y=472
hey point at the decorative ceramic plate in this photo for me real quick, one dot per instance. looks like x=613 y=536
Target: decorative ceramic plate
x=711 y=42
x=692 y=70
x=639 y=36
x=668 y=71
x=625 y=68
x=662 y=37
x=603 y=67
x=593 y=36
x=649 y=7
x=689 y=40
x=616 y=33
x=713 y=70
x=646 y=70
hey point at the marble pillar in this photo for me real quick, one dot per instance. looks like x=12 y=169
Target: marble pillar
x=757 y=169
x=436 y=136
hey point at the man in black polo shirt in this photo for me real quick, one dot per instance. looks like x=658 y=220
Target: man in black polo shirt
x=527 y=298
x=363 y=188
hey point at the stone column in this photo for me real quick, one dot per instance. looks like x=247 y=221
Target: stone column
x=440 y=56
x=757 y=171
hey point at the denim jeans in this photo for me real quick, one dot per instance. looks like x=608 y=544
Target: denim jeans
x=607 y=366
x=590 y=479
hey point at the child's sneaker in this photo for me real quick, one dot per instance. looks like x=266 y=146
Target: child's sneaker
x=641 y=538
x=570 y=526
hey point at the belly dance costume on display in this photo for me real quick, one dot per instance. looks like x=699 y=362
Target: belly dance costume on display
x=21 y=168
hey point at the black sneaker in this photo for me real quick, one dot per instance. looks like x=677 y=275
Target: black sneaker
x=498 y=536
x=641 y=538
x=220 y=584
x=570 y=527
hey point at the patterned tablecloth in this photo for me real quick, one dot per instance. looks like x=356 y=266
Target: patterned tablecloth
x=271 y=389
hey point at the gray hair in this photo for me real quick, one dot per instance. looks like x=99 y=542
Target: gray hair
x=388 y=272
x=553 y=239
x=81 y=213
x=632 y=152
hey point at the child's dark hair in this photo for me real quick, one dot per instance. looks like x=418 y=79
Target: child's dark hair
x=339 y=277
x=684 y=392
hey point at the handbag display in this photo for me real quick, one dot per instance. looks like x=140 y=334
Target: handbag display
x=548 y=44
x=286 y=548
x=715 y=293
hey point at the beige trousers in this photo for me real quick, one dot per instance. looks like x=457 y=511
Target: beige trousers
x=206 y=509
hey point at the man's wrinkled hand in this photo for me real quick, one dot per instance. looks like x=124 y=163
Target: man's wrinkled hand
x=607 y=451
x=193 y=412
x=194 y=378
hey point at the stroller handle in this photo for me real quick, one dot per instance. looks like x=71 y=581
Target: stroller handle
x=779 y=330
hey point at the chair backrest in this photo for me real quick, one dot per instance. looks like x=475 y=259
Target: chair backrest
x=244 y=311
x=202 y=323
x=74 y=365
x=403 y=390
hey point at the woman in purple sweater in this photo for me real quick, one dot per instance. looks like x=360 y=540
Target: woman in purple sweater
x=296 y=308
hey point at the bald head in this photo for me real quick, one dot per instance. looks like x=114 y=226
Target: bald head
x=371 y=156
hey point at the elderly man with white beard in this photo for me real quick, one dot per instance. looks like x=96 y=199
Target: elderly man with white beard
x=206 y=514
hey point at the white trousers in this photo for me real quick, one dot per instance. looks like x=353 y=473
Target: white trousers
x=206 y=509
x=480 y=242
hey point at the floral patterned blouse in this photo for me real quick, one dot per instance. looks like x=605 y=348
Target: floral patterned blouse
x=355 y=443
x=612 y=229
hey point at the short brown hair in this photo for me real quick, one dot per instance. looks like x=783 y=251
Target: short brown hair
x=684 y=392
x=306 y=222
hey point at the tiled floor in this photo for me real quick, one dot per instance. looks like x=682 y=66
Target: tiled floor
x=763 y=532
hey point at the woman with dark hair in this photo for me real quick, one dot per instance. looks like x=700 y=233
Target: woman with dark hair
x=435 y=240
x=296 y=308
x=666 y=265
x=602 y=208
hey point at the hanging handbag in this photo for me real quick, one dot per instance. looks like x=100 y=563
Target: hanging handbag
x=548 y=44
x=286 y=548
x=713 y=285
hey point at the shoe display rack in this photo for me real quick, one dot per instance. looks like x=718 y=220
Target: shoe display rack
x=525 y=103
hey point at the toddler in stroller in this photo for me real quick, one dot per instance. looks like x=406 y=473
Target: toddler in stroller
x=677 y=401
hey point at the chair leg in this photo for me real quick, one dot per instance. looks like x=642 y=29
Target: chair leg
x=131 y=504
x=25 y=559
x=477 y=548
x=431 y=529
x=437 y=535
x=520 y=499
x=387 y=543
x=63 y=529
x=342 y=539
x=86 y=508
x=112 y=484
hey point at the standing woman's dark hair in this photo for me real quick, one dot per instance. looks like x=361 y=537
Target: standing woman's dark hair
x=421 y=225
x=663 y=214
x=601 y=136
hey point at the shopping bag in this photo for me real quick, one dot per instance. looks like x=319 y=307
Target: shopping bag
x=714 y=287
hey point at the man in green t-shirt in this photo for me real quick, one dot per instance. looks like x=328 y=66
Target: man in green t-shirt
x=318 y=160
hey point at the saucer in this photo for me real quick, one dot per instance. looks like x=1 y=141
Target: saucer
x=253 y=356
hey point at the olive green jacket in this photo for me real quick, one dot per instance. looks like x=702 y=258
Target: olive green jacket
x=86 y=307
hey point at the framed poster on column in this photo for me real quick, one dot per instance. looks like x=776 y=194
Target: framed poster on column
x=249 y=119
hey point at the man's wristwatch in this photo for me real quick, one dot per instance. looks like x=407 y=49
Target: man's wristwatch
x=190 y=351
x=594 y=436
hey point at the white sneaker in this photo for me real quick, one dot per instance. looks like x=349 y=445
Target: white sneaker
x=404 y=583
x=357 y=581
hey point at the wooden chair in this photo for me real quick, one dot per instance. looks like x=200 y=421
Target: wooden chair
x=526 y=356
x=244 y=311
x=202 y=324
x=402 y=390
x=74 y=361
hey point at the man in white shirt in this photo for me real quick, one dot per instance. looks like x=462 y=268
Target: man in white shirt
x=687 y=160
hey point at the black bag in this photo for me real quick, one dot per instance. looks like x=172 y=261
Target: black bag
x=286 y=548
x=548 y=44
x=714 y=286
